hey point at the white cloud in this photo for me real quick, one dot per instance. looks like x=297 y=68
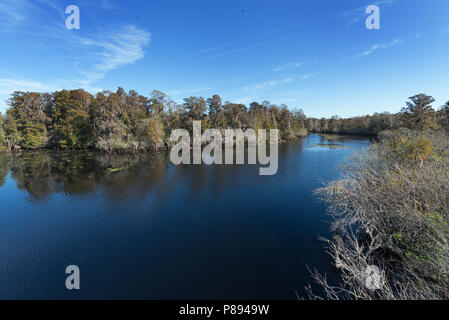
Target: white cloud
x=287 y=66
x=376 y=47
x=268 y=84
x=188 y=91
x=242 y=48
x=119 y=48
x=13 y=12
x=107 y=4
x=98 y=54
x=241 y=45
x=94 y=54
x=308 y=76
x=8 y=86
x=245 y=100
x=19 y=13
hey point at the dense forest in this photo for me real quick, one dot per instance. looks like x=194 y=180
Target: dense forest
x=110 y=121
x=120 y=121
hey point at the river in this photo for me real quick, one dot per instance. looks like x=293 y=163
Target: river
x=139 y=227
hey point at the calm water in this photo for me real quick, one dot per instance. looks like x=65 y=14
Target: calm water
x=139 y=227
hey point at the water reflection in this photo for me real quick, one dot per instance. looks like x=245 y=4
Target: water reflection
x=140 y=227
x=4 y=167
x=76 y=173
x=133 y=176
x=122 y=176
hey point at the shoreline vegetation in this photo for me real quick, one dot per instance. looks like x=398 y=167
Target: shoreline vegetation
x=129 y=122
x=390 y=213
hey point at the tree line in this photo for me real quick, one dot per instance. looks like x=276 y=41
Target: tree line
x=418 y=114
x=121 y=121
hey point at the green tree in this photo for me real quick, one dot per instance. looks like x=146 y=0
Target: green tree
x=158 y=102
x=215 y=110
x=236 y=115
x=286 y=123
x=299 y=123
x=134 y=116
x=214 y=105
x=194 y=108
x=419 y=113
x=12 y=134
x=71 y=124
x=155 y=132
x=2 y=135
x=26 y=120
x=108 y=126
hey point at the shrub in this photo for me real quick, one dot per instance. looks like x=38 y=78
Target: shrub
x=391 y=210
x=412 y=148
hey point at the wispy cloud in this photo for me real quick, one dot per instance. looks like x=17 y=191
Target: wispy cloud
x=107 y=4
x=9 y=85
x=239 y=43
x=268 y=84
x=207 y=50
x=119 y=48
x=101 y=4
x=308 y=76
x=93 y=55
x=14 y=12
x=188 y=91
x=245 y=99
x=287 y=66
x=99 y=53
x=19 y=13
x=376 y=47
x=244 y=48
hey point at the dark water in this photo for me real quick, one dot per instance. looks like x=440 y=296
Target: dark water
x=139 y=227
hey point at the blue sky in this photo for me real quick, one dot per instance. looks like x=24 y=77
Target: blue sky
x=315 y=55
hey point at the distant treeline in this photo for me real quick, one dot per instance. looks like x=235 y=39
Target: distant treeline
x=418 y=114
x=120 y=121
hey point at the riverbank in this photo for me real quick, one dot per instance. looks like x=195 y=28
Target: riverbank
x=161 y=149
x=391 y=212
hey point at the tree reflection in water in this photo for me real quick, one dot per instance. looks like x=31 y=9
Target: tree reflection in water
x=82 y=172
